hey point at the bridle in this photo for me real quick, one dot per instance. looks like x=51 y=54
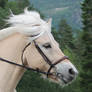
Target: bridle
x=47 y=60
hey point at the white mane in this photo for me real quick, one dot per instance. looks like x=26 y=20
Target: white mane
x=26 y=18
x=28 y=23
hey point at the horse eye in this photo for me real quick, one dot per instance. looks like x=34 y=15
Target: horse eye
x=47 y=46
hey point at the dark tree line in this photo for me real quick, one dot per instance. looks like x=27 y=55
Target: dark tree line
x=81 y=45
x=86 y=82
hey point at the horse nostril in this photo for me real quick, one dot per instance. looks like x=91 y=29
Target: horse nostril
x=71 y=78
x=71 y=71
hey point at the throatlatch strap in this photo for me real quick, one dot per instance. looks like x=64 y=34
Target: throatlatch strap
x=23 y=52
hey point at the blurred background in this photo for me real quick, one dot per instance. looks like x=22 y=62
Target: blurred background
x=72 y=28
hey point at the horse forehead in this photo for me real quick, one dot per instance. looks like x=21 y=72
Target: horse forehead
x=43 y=39
x=46 y=37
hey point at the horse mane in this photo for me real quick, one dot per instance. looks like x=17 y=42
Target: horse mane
x=26 y=18
x=29 y=23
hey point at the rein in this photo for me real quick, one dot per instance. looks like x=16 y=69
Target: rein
x=37 y=69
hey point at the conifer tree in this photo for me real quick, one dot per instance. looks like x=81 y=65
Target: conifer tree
x=86 y=81
x=15 y=7
x=23 y=3
x=3 y=3
x=65 y=35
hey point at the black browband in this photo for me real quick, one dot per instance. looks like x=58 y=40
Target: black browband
x=37 y=69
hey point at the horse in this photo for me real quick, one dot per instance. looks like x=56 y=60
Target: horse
x=29 y=44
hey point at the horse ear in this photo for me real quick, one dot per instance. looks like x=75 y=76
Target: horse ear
x=49 y=22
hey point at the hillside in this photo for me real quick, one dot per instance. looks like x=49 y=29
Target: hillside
x=61 y=9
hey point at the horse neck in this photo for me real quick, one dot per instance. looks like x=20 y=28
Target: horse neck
x=11 y=49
